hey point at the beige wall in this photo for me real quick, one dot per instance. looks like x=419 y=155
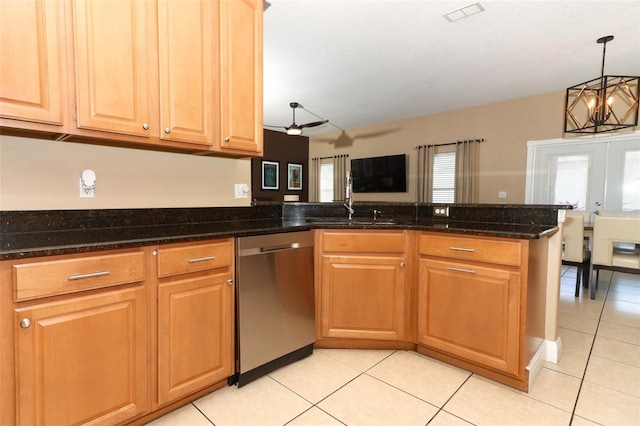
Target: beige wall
x=41 y=174
x=44 y=175
x=506 y=128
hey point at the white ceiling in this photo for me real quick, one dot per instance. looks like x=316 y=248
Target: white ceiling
x=362 y=62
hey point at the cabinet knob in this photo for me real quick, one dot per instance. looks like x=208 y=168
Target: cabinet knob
x=167 y=130
x=145 y=126
x=230 y=281
x=25 y=323
x=227 y=139
x=402 y=265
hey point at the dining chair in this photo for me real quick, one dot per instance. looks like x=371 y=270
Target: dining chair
x=616 y=244
x=574 y=250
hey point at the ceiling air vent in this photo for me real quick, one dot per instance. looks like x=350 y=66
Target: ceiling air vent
x=464 y=12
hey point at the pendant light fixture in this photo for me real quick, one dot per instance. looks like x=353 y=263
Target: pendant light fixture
x=604 y=104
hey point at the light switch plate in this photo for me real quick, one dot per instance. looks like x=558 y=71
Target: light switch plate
x=241 y=190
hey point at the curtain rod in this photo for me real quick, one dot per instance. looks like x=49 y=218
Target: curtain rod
x=332 y=156
x=449 y=143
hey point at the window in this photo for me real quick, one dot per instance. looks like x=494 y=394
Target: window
x=326 y=180
x=444 y=177
x=568 y=179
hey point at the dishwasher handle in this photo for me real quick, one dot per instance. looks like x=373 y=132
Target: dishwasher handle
x=279 y=247
x=269 y=249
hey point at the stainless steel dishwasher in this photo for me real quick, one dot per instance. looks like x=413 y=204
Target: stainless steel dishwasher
x=275 y=321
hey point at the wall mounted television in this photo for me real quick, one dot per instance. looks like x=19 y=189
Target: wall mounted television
x=380 y=174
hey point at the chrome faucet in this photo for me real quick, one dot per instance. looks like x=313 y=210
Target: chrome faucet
x=348 y=194
x=376 y=213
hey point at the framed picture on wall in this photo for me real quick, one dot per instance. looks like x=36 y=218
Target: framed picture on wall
x=294 y=176
x=270 y=175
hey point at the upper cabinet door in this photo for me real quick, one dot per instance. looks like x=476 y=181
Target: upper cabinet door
x=32 y=69
x=241 y=75
x=114 y=76
x=188 y=52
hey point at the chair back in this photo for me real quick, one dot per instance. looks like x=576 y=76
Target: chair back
x=613 y=227
x=573 y=236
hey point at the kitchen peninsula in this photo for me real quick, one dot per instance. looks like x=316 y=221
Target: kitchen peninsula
x=509 y=256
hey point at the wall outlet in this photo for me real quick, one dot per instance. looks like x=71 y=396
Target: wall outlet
x=502 y=194
x=86 y=192
x=441 y=211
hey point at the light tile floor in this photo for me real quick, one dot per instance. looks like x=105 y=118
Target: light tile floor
x=597 y=380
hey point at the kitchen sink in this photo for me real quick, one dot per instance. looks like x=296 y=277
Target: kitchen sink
x=355 y=222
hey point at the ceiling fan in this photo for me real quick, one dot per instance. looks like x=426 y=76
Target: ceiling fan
x=296 y=129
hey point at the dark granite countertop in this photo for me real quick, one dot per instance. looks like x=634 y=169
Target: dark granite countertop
x=31 y=234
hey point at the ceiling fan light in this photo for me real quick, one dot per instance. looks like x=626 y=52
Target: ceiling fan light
x=294 y=131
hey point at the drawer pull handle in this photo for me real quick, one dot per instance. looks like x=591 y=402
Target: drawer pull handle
x=91 y=275
x=468 y=271
x=470 y=250
x=25 y=323
x=202 y=259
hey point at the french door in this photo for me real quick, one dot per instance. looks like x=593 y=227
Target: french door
x=592 y=173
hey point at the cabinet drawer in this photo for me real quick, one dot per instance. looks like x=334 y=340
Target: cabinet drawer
x=366 y=242
x=501 y=252
x=40 y=279
x=193 y=258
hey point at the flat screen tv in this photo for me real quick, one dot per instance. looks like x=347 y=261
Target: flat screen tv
x=380 y=174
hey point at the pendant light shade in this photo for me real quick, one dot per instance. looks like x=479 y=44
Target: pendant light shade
x=604 y=104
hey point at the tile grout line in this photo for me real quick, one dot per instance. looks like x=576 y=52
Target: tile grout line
x=584 y=373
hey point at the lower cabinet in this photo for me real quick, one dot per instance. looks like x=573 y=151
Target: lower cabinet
x=82 y=358
x=362 y=289
x=481 y=303
x=111 y=337
x=471 y=312
x=195 y=317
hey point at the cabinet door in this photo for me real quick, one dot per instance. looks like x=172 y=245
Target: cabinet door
x=362 y=297
x=113 y=68
x=32 y=77
x=241 y=75
x=471 y=312
x=195 y=334
x=82 y=360
x=188 y=50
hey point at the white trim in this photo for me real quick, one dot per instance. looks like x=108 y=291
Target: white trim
x=536 y=364
x=533 y=146
x=553 y=350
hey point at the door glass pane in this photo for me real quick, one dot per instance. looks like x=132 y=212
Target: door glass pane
x=568 y=180
x=326 y=182
x=631 y=182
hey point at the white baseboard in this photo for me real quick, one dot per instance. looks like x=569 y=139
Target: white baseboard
x=553 y=350
x=536 y=364
x=548 y=351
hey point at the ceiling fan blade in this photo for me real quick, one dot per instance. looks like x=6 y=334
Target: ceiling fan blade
x=314 y=124
x=274 y=127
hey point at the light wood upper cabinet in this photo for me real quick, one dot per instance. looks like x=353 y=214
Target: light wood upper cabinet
x=33 y=70
x=179 y=75
x=114 y=67
x=241 y=76
x=82 y=360
x=189 y=72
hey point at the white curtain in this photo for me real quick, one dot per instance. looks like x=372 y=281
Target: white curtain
x=466 y=174
x=314 y=180
x=425 y=173
x=339 y=176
